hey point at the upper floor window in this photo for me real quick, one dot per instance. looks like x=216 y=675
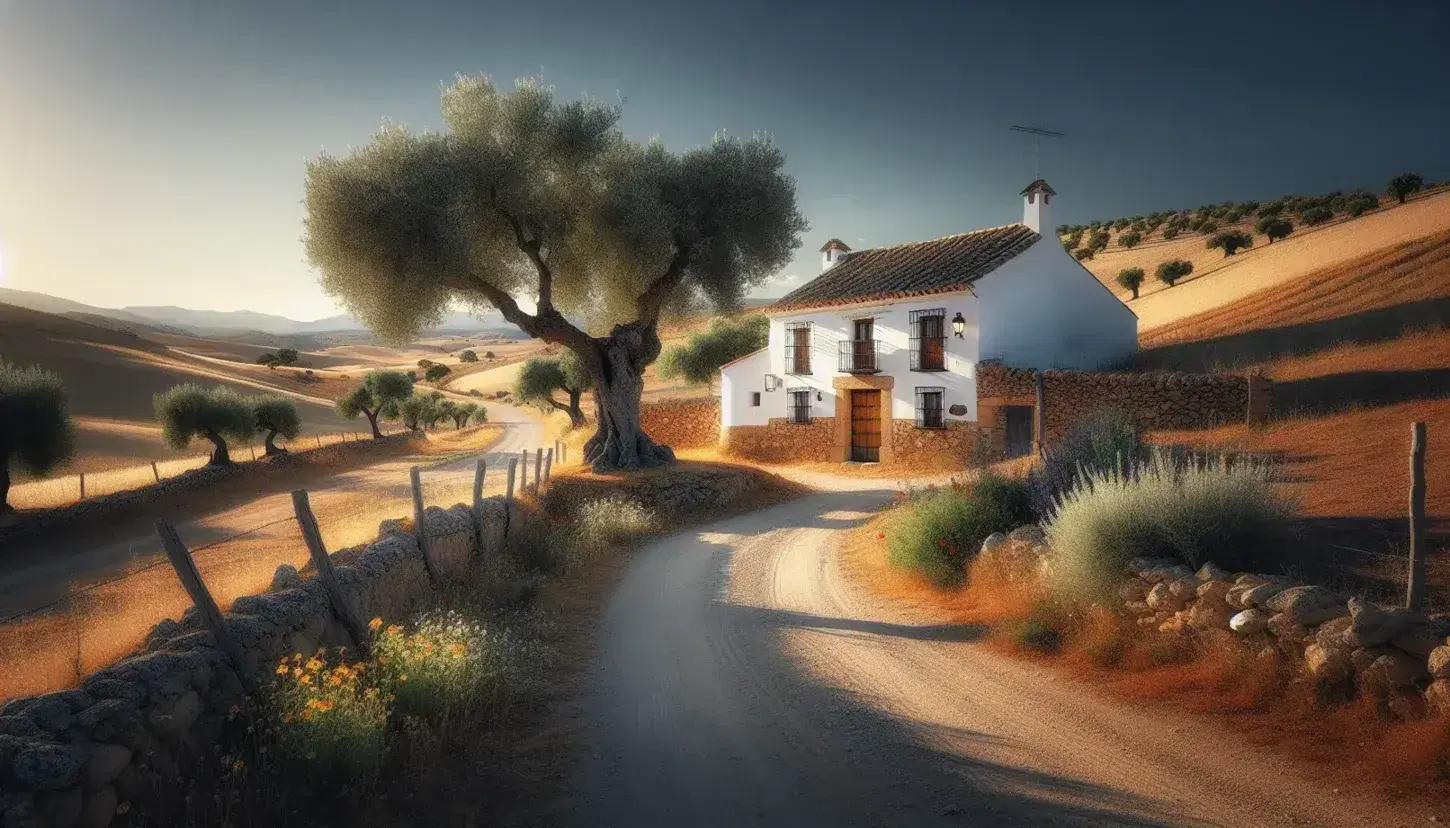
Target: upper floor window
x=798 y=347
x=929 y=340
x=859 y=353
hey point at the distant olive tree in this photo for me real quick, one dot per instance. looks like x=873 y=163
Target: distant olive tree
x=1098 y=240
x=217 y=414
x=269 y=359
x=1207 y=226
x=1131 y=278
x=1360 y=203
x=1171 y=271
x=437 y=372
x=1275 y=227
x=540 y=378
x=413 y=411
x=379 y=395
x=468 y=356
x=37 y=434
x=1404 y=185
x=438 y=409
x=523 y=196
x=1316 y=215
x=1130 y=240
x=1230 y=241
x=1170 y=232
x=1084 y=254
x=276 y=417
x=698 y=361
x=425 y=364
x=287 y=356
x=461 y=413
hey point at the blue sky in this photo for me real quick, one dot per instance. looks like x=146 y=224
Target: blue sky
x=151 y=151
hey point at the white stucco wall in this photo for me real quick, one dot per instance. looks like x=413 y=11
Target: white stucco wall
x=738 y=380
x=831 y=326
x=1044 y=310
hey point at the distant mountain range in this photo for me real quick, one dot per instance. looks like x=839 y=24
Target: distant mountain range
x=227 y=323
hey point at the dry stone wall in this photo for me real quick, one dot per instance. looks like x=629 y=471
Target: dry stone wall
x=682 y=424
x=957 y=446
x=75 y=757
x=782 y=441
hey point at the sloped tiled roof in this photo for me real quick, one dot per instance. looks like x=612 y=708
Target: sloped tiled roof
x=915 y=269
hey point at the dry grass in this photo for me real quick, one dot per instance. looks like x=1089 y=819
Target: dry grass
x=1256 y=696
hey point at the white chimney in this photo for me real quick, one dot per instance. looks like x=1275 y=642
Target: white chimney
x=1036 y=206
x=833 y=251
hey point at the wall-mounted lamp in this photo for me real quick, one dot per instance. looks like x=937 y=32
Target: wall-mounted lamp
x=818 y=396
x=959 y=325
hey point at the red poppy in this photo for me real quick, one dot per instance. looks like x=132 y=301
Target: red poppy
x=880 y=536
x=942 y=544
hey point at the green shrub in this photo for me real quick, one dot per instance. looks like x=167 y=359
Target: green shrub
x=698 y=361
x=1230 y=241
x=1360 y=203
x=468 y=355
x=436 y=372
x=1274 y=227
x=1171 y=271
x=1130 y=239
x=1100 y=441
x=1131 y=278
x=1083 y=254
x=1170 y=232
x=1191 y=508
x=1043 y=628
x=611 y=521
x=935 y=534
x=1207 y=226
x=37 y=433
x=445 y=668
x=1098 y=240
x=1316 y=215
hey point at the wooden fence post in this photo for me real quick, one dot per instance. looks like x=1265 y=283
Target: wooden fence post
x=508 y=498
x=319 y=440
x=538 y=468
x=312 y=535
x=83 y=485
x=1415 y=593
x=186 y=570
x=154 y=472
x=254 y=451
x=478 y=474
x=549 y=466
x=419 y=529
x=1041 y=414
x=524 y=472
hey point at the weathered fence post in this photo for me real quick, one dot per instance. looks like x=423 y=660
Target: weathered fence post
x=1040 y=413
x=83 y=485
x=1415 y=594
x=538 y=468
x=312 y=535
x=254 y=451
x=478 y=474
x=549 y=466
x=419 y=528
x=155 y=472
x=319 y=440
x=186 y=570
x=508 y=498
x=524 y=473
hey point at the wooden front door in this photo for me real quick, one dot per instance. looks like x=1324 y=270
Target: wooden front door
x=866 y=426
x=1019 y=430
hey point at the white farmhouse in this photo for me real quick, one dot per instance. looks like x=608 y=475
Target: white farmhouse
x=876 y=358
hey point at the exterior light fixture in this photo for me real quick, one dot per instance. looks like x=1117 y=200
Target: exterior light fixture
x=959 y=325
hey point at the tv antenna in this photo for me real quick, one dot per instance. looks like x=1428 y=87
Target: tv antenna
x=1037 y=133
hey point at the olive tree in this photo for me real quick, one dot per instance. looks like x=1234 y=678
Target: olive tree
x=437 y=409
x=1404 y=185
x=1170 y=232
x=1275 y=227
x=1131 y=278
x=287 y=356
x=524 y=197
x=1172 y=270
x=1316 y=215
x=414 y=412
x=539 y=378
x=1130 y=239
x=1083 y=254
x=37 y=434
x=468 y=355
x=378 y=396
x=1230 y=241
x=698 y=361
x=462 y=413
x=217 y=414
x=276 y=417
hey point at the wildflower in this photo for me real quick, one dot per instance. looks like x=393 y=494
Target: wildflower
x=941 y=544
x=458 y=649
x=313 y=665
x=282 y=669
x=880 y=536
x=123 y=808
x=403 y=677
x=375 y=624
x=238 y=765
x=287 y=718
x=236 y=708
x=394 y=629
x=307 y=715
x=324 y=705
x=306 y=680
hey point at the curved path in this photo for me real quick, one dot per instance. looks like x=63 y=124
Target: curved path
x=742 y=681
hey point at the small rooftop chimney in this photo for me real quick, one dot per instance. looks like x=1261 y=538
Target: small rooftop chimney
x=1036 y=213
x=833 y=251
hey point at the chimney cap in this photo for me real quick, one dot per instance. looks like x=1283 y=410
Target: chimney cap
x=1039 y=186
x=835 y=244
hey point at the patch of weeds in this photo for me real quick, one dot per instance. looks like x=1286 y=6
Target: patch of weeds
x=445 y=666
x=1044 y=628
x=329 y=718
x=936 y=533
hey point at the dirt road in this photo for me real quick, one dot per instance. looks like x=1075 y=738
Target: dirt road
x=742 y=681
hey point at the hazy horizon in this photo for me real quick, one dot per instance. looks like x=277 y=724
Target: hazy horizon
x=153 y=154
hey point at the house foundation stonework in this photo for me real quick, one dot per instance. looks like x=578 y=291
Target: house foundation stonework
x=781 y=441
x=957 y=446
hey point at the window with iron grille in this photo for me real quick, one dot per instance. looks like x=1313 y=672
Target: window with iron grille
x=929 y=339
x=799 y=400
x=798 y=347
x=929 y=408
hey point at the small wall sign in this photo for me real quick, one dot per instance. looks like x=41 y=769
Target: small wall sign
x=958 y=410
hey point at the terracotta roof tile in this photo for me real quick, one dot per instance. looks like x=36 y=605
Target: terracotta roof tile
x=915 y=269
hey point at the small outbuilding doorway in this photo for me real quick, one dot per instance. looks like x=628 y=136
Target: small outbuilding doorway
x=1018 y=436
x=866 y=426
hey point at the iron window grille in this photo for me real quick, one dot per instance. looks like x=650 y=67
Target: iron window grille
x=929 y=339
x=798 y=348
x=860 y=356
x=929 y=408
x=800 y=405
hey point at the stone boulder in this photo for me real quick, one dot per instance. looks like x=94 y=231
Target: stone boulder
x=1327 y=664
x=1331 y=633
x=1210 y=572
x=286 y=577
x=46 y=767
x=1371 y=625
x=1162 y=599
x=1031 y=533
x=1286 y=629
x=1249 y=622
x=1420 y=639
x=1132 y=590
x=1209 y=615
x=1138 y=608
x=1439 y=662
x=1395 y=670
x=1308 y=605
x=1184 y=589
x=1215 y=591
x=1259 y=595
x=1437 y=697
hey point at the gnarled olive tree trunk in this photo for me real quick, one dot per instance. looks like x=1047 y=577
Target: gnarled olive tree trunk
x=5 y=485
x=219 y=455
x=618 y=371
x=271 y=448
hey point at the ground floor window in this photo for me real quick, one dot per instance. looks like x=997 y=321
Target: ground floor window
x=929 y=408
x=800 y=404
x=755 y=399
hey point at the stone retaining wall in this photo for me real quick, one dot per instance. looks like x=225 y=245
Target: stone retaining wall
x=1154 y=399
x=73 y=757
x=955 y=447
x=782 y=441
x=682 y=424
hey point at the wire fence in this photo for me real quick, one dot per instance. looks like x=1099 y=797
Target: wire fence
x=53 y=640
x=55 y=492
